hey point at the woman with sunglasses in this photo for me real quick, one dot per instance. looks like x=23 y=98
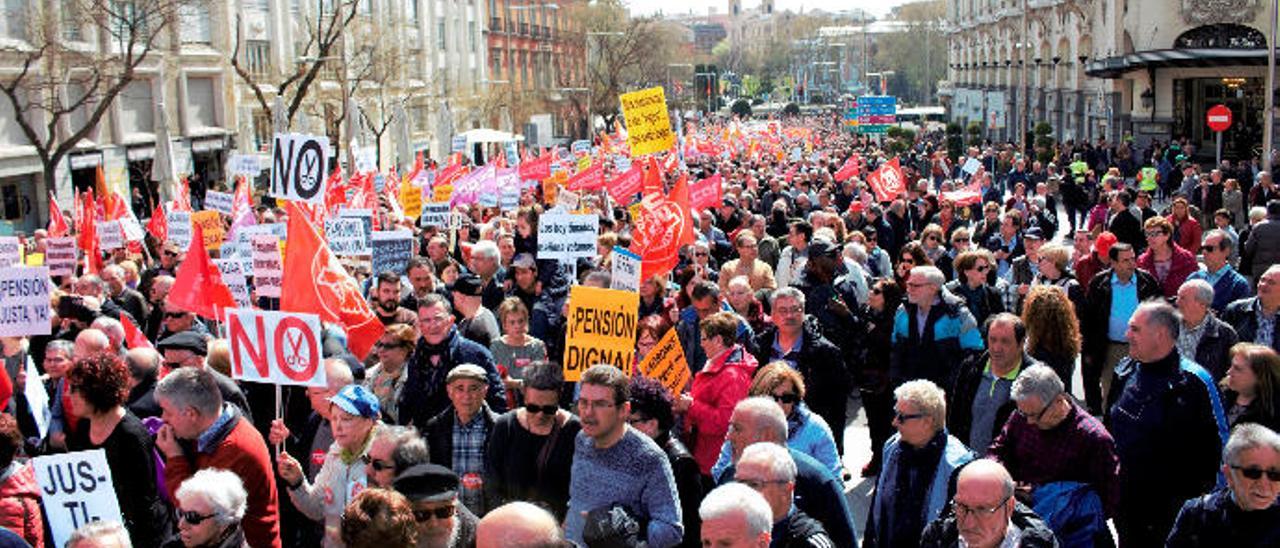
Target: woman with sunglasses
x=530 y=448
x=1251 y=387
x=910 y=256
x=97 y=386
x=973 y=270
x=1245 y=513
x=386 y=378
x=211 y=504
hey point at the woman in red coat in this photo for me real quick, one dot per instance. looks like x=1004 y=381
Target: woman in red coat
x=1186 y=229
x=721 y=384
x=19 y=493
x=1169 y=262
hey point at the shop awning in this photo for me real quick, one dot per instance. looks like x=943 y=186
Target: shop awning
x=485 y=135
x=1114 y=67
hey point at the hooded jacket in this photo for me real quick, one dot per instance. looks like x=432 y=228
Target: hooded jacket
x=20 y=503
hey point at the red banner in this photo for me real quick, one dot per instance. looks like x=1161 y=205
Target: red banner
x=663 y=228
x=888 y=182
x=625 y=186
x=848 y=170
x=536 y=169
x=589 y=179
x=705 y=193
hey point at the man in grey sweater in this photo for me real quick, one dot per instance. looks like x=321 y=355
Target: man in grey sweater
x=614 y=465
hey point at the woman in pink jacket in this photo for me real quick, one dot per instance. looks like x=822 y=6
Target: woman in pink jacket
x=717 y=388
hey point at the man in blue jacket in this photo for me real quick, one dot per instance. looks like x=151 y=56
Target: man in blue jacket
x=440 y=349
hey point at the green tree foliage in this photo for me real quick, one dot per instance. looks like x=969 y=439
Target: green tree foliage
x=741 y=108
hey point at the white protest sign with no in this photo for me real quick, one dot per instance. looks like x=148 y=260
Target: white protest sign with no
x=298 y=164
x=24 y=301
x=566 y=237
x=76 y=489
x=275 y=347
x=218 y=201
x=626 y=270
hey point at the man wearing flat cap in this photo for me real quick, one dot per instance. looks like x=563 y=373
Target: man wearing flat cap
x=459 y=436
x=433 y=491
x=188 y=349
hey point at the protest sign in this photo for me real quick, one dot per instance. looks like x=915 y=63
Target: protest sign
x=888 y=182
x=537 y=168
x=239 y=288
x=10 y=251
x=268 y=268
x=410 y=199
x=648 y=124
x=626 y=270
x=971 y=166
x=591 y=178
x=245 y=164
x=60 y=256
x=24 y=294
x=392 y=251
x=179 y=228
x=229 y=267
x=346 y=236
x=211 y=227
x=131 y=229
x=601 y=329
x=567 y=200
x=297 y=167
x=623 y=187
x=365 y=215
x=581 y=146
x=37 y=400
x=509 y=198
x=435 y=214
x=705 y=193
x=218 y=201
x=76 y=489
x=458 y=143
x=441 y=193
x=621 y=164
x=566 y=237
x=275 y=347
x=666 y=364
x=110 y=236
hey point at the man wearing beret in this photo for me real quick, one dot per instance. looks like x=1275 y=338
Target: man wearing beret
x=188 y=349
x=433 y=491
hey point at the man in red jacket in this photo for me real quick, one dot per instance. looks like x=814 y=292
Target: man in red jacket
x=200 y=432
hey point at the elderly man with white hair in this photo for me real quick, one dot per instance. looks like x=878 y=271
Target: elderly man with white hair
x=1245 y=513
x=919 y=460
x=127 y=298
x=211 y=505
x=1204 y=338
x=486 y=262
x=769 y=469
x=114 y=331
x=735 y=516
x=985 y=514
x=100 y=534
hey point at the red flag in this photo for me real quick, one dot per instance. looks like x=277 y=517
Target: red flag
x=848 y=170
x=6 y=385
x=132 y=335
x=663 y=228
x=888 y=181
x=652 y=178
x=588 y=179
x=335 y=194
x=158 y=226
x=706 y=193
x=88 y=234
x=58 y=226
x=198 y=286
x=625 y=186
x=182 y=202
x=113 y=206
x=536 y=169
x=318 y=284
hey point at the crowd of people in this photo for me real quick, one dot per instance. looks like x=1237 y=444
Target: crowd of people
x=1111 y=382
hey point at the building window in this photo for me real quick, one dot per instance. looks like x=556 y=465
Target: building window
x=411 y=8
x=257 y=58
x=194 y=24
x=137 y=108
x=72 y=28
x=201 y=101
x=262 y=130
x=14 y=23
x=366 y=7
x=440 y=37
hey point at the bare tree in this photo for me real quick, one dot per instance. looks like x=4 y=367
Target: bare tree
x=120 y=34
x=623 y=53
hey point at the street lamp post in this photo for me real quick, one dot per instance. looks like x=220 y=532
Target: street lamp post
x=1268 y=125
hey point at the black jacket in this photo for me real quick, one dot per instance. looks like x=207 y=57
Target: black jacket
x=439 y=434
x=827 y=383
x=688 y=487
x=1215 y=520
x=1214 y=351
x=962 y=394
x=1097 y=312
x=943 y=532
x=423 y=396
x=1128 y=229
x=798 y=530
x=1241 y=316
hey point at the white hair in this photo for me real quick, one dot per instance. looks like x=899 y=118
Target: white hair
x=767 y=416
x=736 y=498
x=1200 y=289
x=487 y=248
x=222 y=489
x=926 y=397
x=776 y=457
x=104 y=534
x=111 y=327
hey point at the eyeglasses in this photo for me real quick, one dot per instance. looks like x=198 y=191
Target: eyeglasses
x=700 y=254
x=961 y=240
x=389 y=346
x=173 y=315
x=544 y=409
x=933 y=239
x=173 y=365
x=982 y=268
x=789 y=397
x=445 y=512
x=907 y=260
x=1036 y=418
x=904 y=417
x=194 y=518
x=1257 y=473
x=168 y=253
x=757 y=484
x=788 y=309
x=430 y=320
x=377 y=465
x=596 y=404
x=963 y=511
x=876 y=291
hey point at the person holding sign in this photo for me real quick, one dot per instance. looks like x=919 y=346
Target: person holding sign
x=97 y=387
x=720 y=385
x=217 y=436
x=354 y=419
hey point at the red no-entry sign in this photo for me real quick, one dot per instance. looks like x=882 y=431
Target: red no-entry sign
x=1219 y=118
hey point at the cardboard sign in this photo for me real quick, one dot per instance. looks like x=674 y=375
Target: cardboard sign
x=245 y=164
x=212 y=227
x=648 y=124
x=268 y=268
x=60 y=256
x=110 y=236
x=566 y=237
x=392 y=251
x=239 y=287
x=298 y=164
x=179 y=228
x=346 y=236
x=24 y=301
x=219 y=201
x=626 y=270
x=601 y=329
x=666 y=363
x=10 y=251
x=275 y=347
x=410 y=199
x=76 y=489
x=567 y=200
x=435 y=214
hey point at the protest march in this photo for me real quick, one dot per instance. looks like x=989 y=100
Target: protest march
x=679 y=330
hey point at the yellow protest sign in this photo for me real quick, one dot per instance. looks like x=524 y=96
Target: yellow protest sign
x=666 y=363
x=35 y=259
x=442 y=193
x=410 y=199
x=602 y=329
x=648 y=124
x=550 y=190
x=211 y=223
x=584 y=163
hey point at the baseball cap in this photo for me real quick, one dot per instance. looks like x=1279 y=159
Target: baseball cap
x=468 y=284
x=357 y=400
x=1102 y=245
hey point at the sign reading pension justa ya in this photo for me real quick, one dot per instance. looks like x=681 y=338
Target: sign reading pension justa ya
x=601 y=329
x=24 y=301
x=648 y=124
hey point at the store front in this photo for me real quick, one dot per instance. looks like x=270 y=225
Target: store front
x=1193 y=97
x=140 y=161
